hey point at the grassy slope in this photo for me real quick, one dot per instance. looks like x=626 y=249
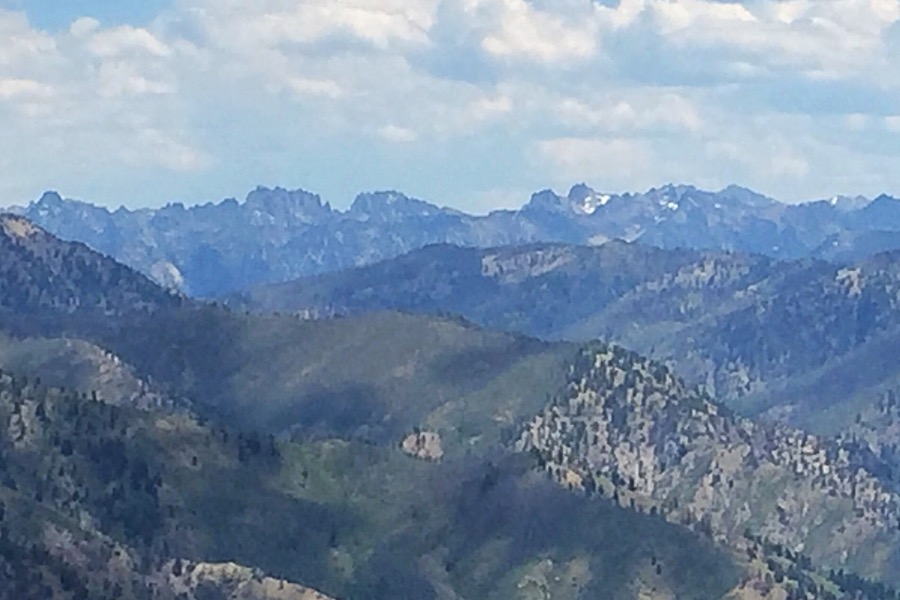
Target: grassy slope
x=372 y=377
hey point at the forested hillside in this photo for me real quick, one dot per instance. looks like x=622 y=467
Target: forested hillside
x=40 y=272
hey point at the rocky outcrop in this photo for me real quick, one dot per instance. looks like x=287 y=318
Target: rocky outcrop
x=423 y=444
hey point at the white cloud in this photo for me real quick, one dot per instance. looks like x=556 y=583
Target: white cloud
x=92 y=99
x=247 y=23
x=13 y=88
x=856 y=121
x=315 y=87
x=650 y=110
x=786 y=94
x=790 y=11
x=165 y=150
x=122 y=78
x=487 y=107
x=394 y=133
x=607 y=159
x=680 y=15
x=123 y=40
x=824 y=39
x=83 y=27
x=522 y=32
x=22 y=44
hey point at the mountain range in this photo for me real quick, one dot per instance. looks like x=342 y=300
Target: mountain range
x=277 y=235
x=157 y=445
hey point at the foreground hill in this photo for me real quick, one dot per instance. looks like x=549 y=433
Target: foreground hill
x=706 y=468
x=545 y=290
x=175 y=502
x=106 y=502
x=277 y=235
x=807 y=341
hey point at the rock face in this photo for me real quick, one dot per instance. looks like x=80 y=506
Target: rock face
x=96 y=557
x=423 y=444
x=628 y=429
x=277 y=234
x=236 y=582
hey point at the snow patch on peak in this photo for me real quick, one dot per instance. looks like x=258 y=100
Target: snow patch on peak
x=591 y=203
x=668 y=201
x=586 y=201
x=847 y=203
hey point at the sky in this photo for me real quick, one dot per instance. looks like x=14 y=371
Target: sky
x=473 y=104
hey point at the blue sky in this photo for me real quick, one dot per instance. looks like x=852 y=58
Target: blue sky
x=56 y=15
x=468 y=103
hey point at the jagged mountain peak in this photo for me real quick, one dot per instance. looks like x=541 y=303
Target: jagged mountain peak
x=579 y=191
x=391 y=206
x=52 y=206
x=884 y=199
x=881 y=212
x=262 y=196
x=287 y=206
x=745 y=196
x=50 y=198
x=545 y=200
x=586 y=200
x=676 y=189
x=848 y=203
x=733 y=197
x=581 y=200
